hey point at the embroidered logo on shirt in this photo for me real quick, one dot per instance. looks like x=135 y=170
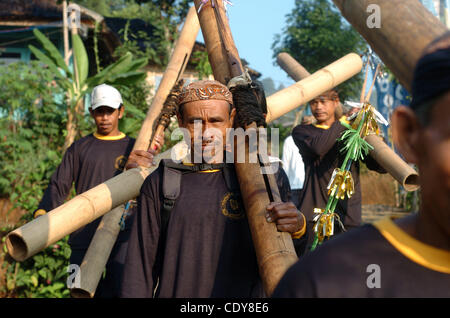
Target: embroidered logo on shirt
x=232 y=206
x=120 y=163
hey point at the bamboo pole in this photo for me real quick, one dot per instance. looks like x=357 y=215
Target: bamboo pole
x=293 y=68
x=47 y=229
x=312 y=86
x=386 y=157
x=407 y=27
x=97 y=255
x=175 y=68
x=392 y=163
x=274 y=250
x=105 y=237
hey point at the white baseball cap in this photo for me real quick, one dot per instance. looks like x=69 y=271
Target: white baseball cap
x=105 y=95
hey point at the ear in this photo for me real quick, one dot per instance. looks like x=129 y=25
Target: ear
x=232 y=115
x=406 y=132
x=121 y=111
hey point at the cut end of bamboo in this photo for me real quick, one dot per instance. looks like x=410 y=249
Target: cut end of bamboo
x=80 y=293
x=411 y=182
x=17 y=248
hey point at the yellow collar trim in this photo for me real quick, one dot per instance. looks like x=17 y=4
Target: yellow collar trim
x=203 y=171
x=322 y=126
x=342 y=119
x=101 y=137
x=420 y=253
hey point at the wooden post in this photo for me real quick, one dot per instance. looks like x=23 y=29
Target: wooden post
x=407 y=27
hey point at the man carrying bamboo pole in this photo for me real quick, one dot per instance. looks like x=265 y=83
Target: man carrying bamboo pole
x=410 y=256
x=89 y=162
x=190 y=235
x=321 y=155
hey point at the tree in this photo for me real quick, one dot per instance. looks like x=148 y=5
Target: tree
x=316 y=35
x=164 y=15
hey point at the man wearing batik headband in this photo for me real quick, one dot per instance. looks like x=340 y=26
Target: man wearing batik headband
x=191 y=237
x=321 y=155
x=407 y=257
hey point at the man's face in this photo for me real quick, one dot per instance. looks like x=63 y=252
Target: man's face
x=433 y=159
x=214 y=117
x=323 y=109
x=107 y=120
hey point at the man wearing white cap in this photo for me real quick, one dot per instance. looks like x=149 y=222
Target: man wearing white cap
x=89 y=162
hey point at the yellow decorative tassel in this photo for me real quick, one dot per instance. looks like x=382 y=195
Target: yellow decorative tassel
x=324 y=226
x=370 y=125
x=341 y=183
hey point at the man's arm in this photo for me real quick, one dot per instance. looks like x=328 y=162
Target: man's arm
x=140 y=273
x=312 y=144
x=60 y=184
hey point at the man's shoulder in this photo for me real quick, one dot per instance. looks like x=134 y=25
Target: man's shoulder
x=346 y=252
x=153 y=180
x=79 y=143
x=352 y=244
x=335 y=267
x=303 y=128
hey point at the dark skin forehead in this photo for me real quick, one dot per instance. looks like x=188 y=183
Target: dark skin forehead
x=215 y=110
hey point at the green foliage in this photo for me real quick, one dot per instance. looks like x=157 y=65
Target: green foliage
x=42 y=276
x=202 y=66
x=33 y=116
x=31 y=130
x=354 y=144
x=316 y=35
x=124 y=70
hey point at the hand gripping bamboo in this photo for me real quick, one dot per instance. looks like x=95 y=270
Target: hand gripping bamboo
x=384 y=155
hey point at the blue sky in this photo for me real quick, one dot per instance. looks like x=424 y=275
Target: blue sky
x=254 y=24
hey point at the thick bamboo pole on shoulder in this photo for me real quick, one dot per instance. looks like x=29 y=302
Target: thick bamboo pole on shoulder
x=105 y=237
x=274 y=250
x=407 y=27
x=47 y=229
x=312 y=86
x=385 y=156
